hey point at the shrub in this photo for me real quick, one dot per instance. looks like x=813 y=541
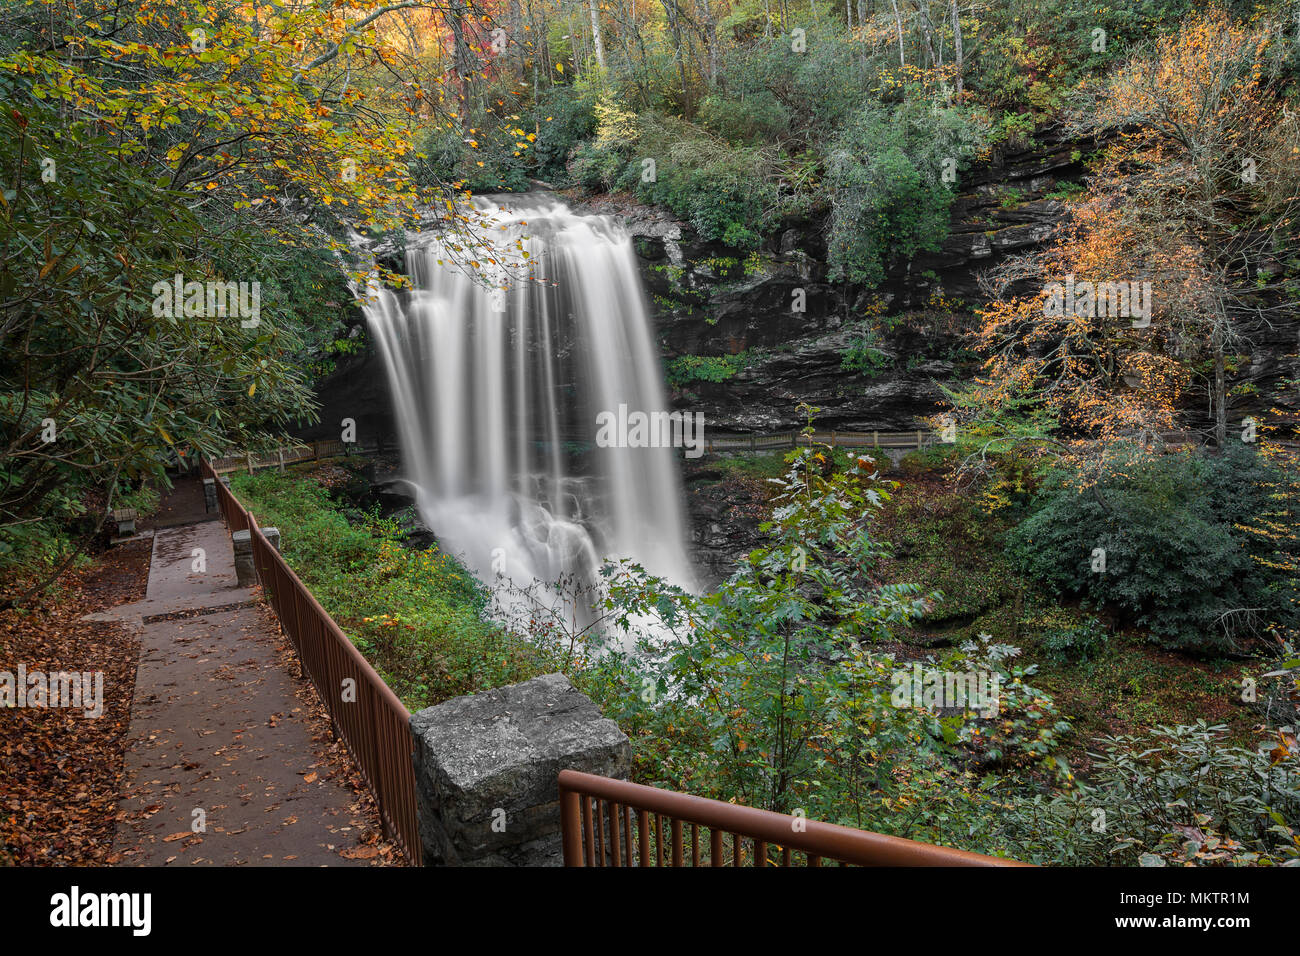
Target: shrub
x=769 y=692
x=486 y=160
x=727 y=192
x=751 y=119
x=1175 y=795
x=565 y=116
x=863 y=357
x=810 y=93
x=1177 y=558
x=1074 y=642
x=930 y=458
x=885 y=176
x=594 y=167
x=704 y=368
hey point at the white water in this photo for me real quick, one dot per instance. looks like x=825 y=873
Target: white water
x=496 y=387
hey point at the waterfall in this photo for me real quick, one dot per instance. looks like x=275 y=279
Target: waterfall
x=497 y=383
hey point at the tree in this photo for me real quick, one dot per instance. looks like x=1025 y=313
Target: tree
x=1209 y=144
x=1173 y=204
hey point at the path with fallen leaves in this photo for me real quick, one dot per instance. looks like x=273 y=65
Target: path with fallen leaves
x=227 y=759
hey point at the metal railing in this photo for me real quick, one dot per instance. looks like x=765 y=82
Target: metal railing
x=366 y=715
x=606 y=822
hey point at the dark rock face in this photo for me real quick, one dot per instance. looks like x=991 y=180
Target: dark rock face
x=357 y=389
x=723 y=514
x=780 y=305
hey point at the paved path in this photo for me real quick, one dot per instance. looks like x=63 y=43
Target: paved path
x=217 y=726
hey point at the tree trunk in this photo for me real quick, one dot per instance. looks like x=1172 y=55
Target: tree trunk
x=573 y=48
x=514 y=26
x=898 y=18
x=596 y=42
x=956 y=43
x=927 y=31
x=709 y=26
x=1220 y=389
x=462 y=58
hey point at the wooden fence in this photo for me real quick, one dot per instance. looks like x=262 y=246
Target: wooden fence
x=842 y=439
x=312 y=451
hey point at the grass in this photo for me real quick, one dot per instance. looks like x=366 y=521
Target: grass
x=417 y=616
x=761 y=465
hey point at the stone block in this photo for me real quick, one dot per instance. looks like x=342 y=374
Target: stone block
x=245 y=569
x=486 y=769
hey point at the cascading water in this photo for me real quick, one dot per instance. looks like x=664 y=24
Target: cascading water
x=497 y=385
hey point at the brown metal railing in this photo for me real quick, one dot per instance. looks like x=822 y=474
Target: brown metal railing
x=367 y=716
x=608 y=822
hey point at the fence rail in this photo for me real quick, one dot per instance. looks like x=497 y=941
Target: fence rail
x=366 y=715
x=606 y=822
x=288 y=455
x=844 y=439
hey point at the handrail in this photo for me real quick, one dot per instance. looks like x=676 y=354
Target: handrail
x=366 y=715
x=591 y=835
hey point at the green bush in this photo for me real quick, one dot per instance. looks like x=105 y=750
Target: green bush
x=1074 y=643
x=1177 y=559
x=727 y=192
x=594 y=167
x=450 y=156
x=704 y=368
x=810 y=93
x=885 y=174
x=863 y=357
x=565 y=117
x=770 y=691
x=930 y=458
x=753 y=119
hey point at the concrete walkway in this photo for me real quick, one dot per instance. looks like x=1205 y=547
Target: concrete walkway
x=219 y=735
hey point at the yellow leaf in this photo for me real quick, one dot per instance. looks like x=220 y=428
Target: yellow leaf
x=251 y=389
